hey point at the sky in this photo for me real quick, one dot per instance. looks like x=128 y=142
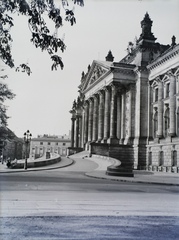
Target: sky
x=43 y=99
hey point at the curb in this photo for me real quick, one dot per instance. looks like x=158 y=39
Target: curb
x=129 y=180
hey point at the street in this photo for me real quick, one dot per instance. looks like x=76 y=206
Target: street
x=65 y=204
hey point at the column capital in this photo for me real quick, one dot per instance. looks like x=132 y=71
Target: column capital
x=73 y=119
x=159 y=78
x=132 y=86
x=95 y=96
x=90 y=100
x=176 y=71
x=106 y=88
x=86 y=103
x=113 y=87
x=73 y=112
x=170 y=73
x=101 y=92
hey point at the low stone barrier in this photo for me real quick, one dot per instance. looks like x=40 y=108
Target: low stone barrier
x=39 y=162
x=123 y=166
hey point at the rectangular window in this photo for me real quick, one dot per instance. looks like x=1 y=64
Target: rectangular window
x=161 y=158
x=48 y=143
x=156 y=94
x=167 y=90
x=41 y=143
x=64 y=144
x=57 y=144
x=150 y=158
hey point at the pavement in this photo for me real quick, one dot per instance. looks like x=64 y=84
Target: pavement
x=140 y=176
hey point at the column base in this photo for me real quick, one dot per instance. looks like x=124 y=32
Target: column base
x=105 y=140
x=129 y=140
x=159 y=136
x=172 y=134
x=119 y=171
x=121 y=141
x=113 y=141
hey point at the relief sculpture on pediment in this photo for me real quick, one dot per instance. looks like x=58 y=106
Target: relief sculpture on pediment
x=97 y=73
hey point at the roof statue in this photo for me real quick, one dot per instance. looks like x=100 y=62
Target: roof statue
x=173 y=41
x=109 y=57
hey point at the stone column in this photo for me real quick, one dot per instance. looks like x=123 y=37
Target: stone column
x=80 y=132
x=101 y=117
x=90 y=121
x=95 y=119
x=130 y=110
x=160 y=109
x=150 y=111
x=86 y=116
x=118 y=115
x=172 y=104
x=122 y=118
x=82 y=127
x=132 y=116
x=77 y=132
x=72 y=131
x=107 y=114
x=113 y=119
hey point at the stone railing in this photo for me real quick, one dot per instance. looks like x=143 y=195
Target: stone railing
x=39 y=162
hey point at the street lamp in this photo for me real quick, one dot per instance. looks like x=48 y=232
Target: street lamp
x=27 y=139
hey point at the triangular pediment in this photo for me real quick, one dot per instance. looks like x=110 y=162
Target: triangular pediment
x=97 y=71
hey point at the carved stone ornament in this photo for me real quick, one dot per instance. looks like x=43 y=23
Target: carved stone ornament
x=97 y=73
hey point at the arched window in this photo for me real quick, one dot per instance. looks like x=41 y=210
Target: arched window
x=166 y=122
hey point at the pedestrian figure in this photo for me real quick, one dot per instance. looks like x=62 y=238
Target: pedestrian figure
x=1 y=158
x=8 y=163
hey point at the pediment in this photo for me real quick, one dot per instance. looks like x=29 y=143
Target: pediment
x=96 y=73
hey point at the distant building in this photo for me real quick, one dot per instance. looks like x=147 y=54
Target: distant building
x=129 y=109
x=49 y=144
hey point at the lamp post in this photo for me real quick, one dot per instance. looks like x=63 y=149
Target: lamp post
x=27 y=139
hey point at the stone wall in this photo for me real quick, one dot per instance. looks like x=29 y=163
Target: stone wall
x=163 y=157
x=124 y=153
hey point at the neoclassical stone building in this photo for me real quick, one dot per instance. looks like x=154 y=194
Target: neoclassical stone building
x=129 y=109
x=49 y=144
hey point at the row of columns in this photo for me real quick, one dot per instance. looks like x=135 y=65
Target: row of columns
x=103 y=118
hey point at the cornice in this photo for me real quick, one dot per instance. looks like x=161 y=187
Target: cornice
x=165 y=57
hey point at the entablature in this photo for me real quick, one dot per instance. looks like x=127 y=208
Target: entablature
x=164 y=63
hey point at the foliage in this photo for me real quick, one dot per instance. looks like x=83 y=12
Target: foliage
x=5 y=93
x=36 y=11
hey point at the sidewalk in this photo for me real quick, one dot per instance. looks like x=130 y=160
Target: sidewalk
x=100 y=172
x=140 y=176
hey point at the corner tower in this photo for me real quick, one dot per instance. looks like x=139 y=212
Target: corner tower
x=146 y=25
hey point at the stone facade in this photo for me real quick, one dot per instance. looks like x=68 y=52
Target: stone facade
x=132 y=105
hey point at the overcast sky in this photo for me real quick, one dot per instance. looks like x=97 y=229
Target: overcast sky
x=44 y=99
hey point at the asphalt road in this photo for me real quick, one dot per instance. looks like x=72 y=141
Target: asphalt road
x=66 y=204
